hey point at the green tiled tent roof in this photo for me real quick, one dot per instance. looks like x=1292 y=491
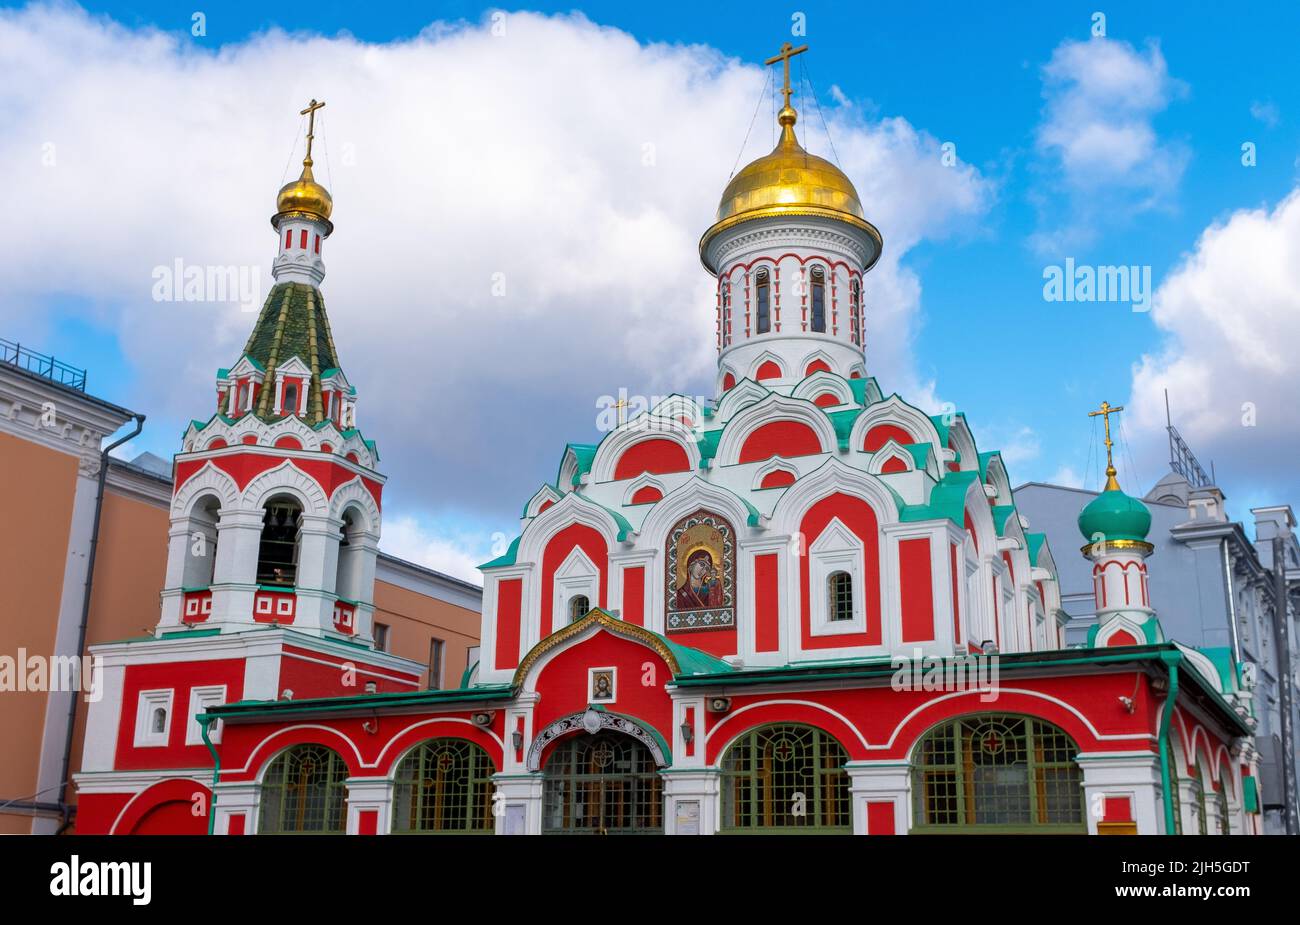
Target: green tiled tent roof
x=293 y=323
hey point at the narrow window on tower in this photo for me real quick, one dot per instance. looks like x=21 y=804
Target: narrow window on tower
x=318 y=244
x=302 y=240
x=818 y=300
x=726 y=312
x=291 y=399
x=763 y=302
x=855 y=297
x=288 y=239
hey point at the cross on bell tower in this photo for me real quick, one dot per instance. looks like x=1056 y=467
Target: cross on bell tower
x=787 y=52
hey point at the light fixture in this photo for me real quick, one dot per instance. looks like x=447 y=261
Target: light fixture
x=989 y=647
x=483 y=719
x=372 y=687
x=688 y=733
x=719 y=704
x=286 y=694
x=517 y=740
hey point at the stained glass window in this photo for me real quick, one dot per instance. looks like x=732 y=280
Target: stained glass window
x=444 y=786
x=304 y=792
x=786 y=778
x=997 y=772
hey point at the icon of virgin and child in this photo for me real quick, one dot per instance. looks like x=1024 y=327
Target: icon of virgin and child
x=699 y=579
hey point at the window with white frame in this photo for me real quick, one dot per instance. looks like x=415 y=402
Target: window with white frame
x=201 y=698
x=577 y=578
x=837 y=552
x=153 y=718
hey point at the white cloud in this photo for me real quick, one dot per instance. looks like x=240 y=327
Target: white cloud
x=1067 y=476
x=574 y=160
x=1231 y=313
x=458 y=554
x=1098 y=133
x=1267 y=113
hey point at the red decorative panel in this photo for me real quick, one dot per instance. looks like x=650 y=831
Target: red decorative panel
x=881 y=434
x=817 y=366
x=780 y=438
x=647 y=495
x=880 y=817
x=510 y=594
x=196 y=606
x=826 y=400
x=274 y=606
x=656 y=456
x=778 y=478
x=917 y=589
x=768 y=370
x=767 y=603
x=634 y=595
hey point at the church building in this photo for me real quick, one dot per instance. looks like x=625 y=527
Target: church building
x=805 y=606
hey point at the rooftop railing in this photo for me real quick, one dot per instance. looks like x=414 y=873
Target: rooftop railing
x=17 y=355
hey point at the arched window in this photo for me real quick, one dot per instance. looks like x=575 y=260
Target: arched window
x=304 y=791
x=444 y=785
x=347 y=579
x=997 y=773
x=277 y=555
x=855 y=308
x=579 y=606
x=786 y=777
x=201 y=544
x=818 y=283
x=160 y=720
x=839 y=590
x=762 y=303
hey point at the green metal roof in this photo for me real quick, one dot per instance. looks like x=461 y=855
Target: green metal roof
x=947 y=500
x=508 y=558
x=293 y=323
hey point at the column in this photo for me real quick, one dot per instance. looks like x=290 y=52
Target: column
x=370 y=805
x=692 y=801
x=517 y=803
x=236 y=806
x=1123 y=785
x=879 y=791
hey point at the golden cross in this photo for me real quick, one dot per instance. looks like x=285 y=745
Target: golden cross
x=1106 y=411
x=788 y=51
x=310 y=113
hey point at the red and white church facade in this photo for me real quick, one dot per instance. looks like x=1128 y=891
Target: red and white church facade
x=805 y=606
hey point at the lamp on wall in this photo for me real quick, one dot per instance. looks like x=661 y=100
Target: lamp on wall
x=688 y=733
x=517 y=740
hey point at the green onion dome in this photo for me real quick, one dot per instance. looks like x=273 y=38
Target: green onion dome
x=1116 y=516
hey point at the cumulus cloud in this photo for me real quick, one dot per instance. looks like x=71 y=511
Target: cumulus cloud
x=455 y=553
x=1268 y=113
x=1231 y=315
x=1099 y=138
x=517 y=218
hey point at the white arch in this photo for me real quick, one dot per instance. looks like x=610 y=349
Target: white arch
x=893 y=410
x=645 y=480
x=641 y=428
x=775 y=464
x=208 y=480
x=817 y=354
x=768 y=356
x=822 y=381
x=288 y=479
x=687 y=499
x=540 y=497
x=764 y=703
x=573 y=508
x=355 y=494
x=963 y=441
x=744 y=393
x=831 y=477
x=890 y=450
x=774 y=408
x=676 y=406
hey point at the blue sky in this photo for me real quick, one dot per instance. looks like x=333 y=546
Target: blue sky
x=997 y=81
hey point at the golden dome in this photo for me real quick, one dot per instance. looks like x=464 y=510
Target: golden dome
x=305 y=195
x=789 y=181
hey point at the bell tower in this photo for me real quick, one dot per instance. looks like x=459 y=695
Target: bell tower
x=276 y=507
x=790 y=247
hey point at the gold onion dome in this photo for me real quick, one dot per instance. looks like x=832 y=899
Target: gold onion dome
x=305 y=195
x=789 y=181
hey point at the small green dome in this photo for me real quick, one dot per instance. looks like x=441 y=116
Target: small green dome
x=1115 y=516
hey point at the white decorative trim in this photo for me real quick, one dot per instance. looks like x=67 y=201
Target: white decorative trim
x=148 y=703
x=201 y=698
x=775 y=407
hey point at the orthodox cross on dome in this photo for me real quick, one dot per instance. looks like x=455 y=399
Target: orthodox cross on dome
x=1106 y=410
x=788 y=51
x=310 y=113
